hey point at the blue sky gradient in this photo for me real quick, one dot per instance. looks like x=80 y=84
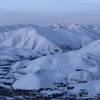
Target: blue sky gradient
x=49 y=11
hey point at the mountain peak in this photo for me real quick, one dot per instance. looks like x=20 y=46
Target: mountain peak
x=56 y=26
x=74 y=26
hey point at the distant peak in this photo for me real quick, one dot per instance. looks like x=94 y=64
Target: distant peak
x=56 y=26
x=74 y=26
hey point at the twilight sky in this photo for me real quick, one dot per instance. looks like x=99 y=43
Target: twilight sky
x=49 y=11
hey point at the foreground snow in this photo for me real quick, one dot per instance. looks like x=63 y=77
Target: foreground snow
x=78 y=66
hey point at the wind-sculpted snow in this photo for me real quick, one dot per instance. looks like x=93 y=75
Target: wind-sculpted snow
x=33 y=57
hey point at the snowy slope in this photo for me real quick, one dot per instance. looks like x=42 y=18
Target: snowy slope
x=48 y=39
x=79 y=66
x=29 y=39
x=32 y=57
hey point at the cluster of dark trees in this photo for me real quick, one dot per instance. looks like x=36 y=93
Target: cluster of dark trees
x=63 y=94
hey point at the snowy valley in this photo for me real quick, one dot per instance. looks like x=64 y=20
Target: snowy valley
x=34 y=57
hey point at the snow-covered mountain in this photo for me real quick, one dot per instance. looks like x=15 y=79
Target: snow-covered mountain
x=78 y=66
x=33 y=56
x=50 y=39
